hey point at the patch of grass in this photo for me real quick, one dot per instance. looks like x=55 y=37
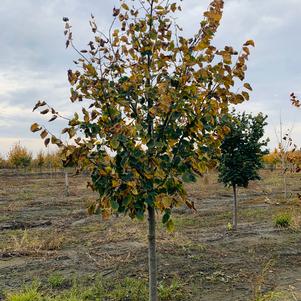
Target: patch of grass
x=272 y=296
x=185 y=222
x=57 y=281
x=101 y=289
x=174 y=291
x=283 y=220
x=129 y=289
x=254 y=213
x=27 y=294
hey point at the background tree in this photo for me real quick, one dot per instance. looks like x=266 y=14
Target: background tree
x=272 y=159
x=40 y=160
x=294 y=158
x=19 y=156
x=53 y=160
x=285 y=146
x=242 y=153
x=3 y=163
x=153 y=102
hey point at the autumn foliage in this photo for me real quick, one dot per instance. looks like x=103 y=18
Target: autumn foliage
x=152 y=106
x=19 y=156
x=292 y=158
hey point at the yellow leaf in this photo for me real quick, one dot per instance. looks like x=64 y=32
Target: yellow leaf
x=227 y=57
x=35 y=127
x=152 y=111
x=173 y=7
x=125 y=6
x=249 y=42
x=170 y=226
x=201 y=45
x=166 y=201
x=115 y=183
x=245 y=95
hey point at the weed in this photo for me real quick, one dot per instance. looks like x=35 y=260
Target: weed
x=27 y=294
x=129 y=289
x=271 y=296
x=283 y=220
x=174 y=291
x=57 y=280
x=259 y=281
x=229 y=227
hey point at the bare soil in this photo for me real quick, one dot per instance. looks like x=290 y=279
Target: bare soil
x=43 y=232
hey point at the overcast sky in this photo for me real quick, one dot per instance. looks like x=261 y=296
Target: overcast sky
x=33 y=59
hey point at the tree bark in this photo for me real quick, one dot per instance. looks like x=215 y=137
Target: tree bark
x=152 y=259
x=66 y=184
x=234 y=207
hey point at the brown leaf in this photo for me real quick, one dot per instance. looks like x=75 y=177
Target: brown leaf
x=53 y=118
x=44 y=111
x=46 y=141
x=35 y=127
x=248 y=86
x=44 y=134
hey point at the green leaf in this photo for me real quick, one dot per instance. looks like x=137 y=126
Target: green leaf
x=166 y=217
x=114 y=204
x=170 y=226
x=114 y=143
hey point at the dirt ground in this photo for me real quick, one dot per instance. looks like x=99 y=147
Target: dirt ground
x=44 y=232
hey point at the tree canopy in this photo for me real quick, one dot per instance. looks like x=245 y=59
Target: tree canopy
x=153 y=104
x=242 y=150
x=19 y=156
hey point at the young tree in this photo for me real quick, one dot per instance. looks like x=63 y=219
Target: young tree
x=40 y=160
x=153 y=102
x=19 y=156
x=242 y=153
x=2 y=162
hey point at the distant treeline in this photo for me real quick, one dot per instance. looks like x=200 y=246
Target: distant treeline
x=20 y=157
x=290 y=160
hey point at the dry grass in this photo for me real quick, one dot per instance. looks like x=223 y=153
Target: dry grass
x=34 y=242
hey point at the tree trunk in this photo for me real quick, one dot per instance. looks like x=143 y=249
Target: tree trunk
x=66 y=184
x=234 y=207
x=152 y=259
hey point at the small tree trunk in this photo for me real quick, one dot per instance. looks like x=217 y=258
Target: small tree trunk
x=152 y=259
x=285 y=185
x=66 y=184
x=234 y=207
